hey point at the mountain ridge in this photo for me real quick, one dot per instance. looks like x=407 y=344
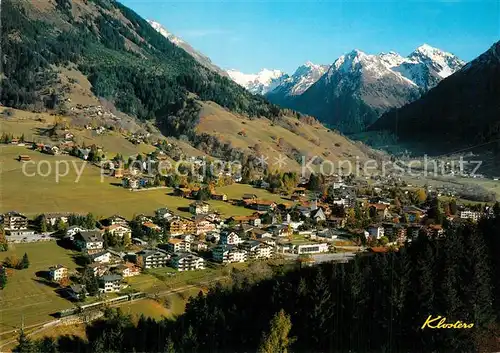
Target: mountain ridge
x=197 y=55
x=462 y=110
x=260 y=83
x=358 y=87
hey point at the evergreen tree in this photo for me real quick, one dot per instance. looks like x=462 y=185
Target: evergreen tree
x=25 y=345
x=203 y=194
x=43 y=224
x=277 y=340
x=25 y=263
x=90 y=281
x=3 y=278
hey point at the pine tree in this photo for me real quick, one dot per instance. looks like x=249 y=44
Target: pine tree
x=277 y=340
x=25 y=345
x=3 y=278
x=90 y=281
x=25 y=263
x=43 y=224
x=321 y=310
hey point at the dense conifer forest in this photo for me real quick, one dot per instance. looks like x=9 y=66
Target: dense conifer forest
x=376 y=303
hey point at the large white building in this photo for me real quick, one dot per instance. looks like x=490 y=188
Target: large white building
x=187 y=262
x=230 y=238
x=178 y=245
x=152 y=258
x=472 y=215
x=228 y=254
x=110 y=283
x=15 y=221
x=311 y=248
x=257 y=249
x=90 y=242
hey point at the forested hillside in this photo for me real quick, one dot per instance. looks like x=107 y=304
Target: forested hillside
x=125 y=59
x=377 y=303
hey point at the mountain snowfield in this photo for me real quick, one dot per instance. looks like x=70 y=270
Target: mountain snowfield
x=163 y=31
x=276 y=81
x=425 y=67
x=260 y=83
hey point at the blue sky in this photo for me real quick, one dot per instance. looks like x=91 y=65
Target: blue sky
x=253 y=34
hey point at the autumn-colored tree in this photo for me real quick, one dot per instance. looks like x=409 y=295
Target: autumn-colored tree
x=277 y=340
x=64 y=282
x=421 y=195
x=11 y=262
x=3 y=241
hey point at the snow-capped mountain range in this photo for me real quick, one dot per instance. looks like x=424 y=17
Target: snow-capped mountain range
x=201 y=58
x=424 y=67
x=460 y=112
x=260 y=83
x=276 y=81
x=359 y=87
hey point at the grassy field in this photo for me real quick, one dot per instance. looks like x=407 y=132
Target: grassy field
x=163 y=279
x=169 y=306
x=37 y=194
x=24 y=295
x=236 y=191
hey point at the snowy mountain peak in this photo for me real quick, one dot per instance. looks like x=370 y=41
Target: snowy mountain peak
x=163 y=31
x=260 y=83
x=442 y=63
x=350 y=61
x=426 y=49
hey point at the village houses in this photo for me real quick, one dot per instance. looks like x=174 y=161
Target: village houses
x=226 y=254
x=89 y=242
x=187 y=262
x=152 y=258
x=58 y=273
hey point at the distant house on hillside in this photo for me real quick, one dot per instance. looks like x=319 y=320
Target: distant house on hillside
x=199 y=207
x=110 y=283
x=219 y=197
